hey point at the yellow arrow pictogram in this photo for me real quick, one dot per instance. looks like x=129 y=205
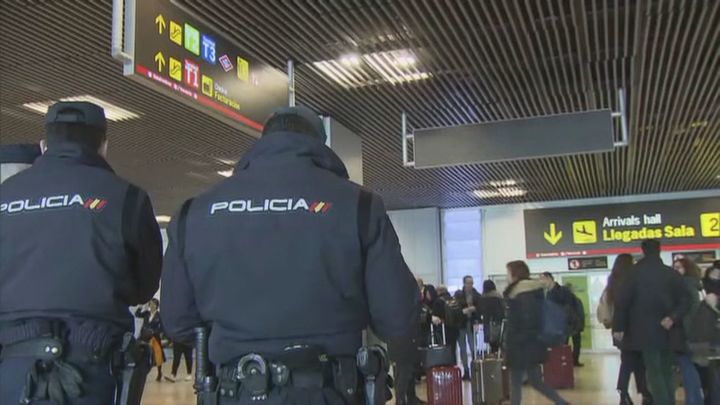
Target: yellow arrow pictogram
x=160 y=21
x=553 y=237
x=160 y=60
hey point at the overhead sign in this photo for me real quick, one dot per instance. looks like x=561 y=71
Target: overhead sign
x=611 y=229
x=588 y=263
x=184 y=57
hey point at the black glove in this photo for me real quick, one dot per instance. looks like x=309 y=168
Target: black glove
x=52 y=380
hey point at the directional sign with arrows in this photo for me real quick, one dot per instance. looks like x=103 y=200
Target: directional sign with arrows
x=553 y=237
x=176 y=53
x=600 y=230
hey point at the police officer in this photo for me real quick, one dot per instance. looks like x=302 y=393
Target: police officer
x=78 y=245
x=16 y=158
x=288 y=262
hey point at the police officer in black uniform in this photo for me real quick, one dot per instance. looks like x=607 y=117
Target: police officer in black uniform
x=16 y=158
x=287 y=262
x=78 y=245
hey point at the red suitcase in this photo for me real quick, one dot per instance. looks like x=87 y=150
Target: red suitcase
x=444 y=386
x=558 y=368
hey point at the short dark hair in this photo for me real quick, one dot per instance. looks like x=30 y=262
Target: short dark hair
x=468 y=277
x=92 y=137
x=488 y=286
x=548 y=275
x=650 y=247
x=519 y=270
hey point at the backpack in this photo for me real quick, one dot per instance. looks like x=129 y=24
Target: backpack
x=454 y=317
x=554 y=324
x=605 y=311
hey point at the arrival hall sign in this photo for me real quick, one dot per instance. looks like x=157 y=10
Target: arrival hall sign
x=193 y=62
x=612 y=229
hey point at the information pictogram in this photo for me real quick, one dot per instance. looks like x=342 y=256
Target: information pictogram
x=176 y=71
x=192 y=74
x=243 y=69
x=207 y=85
x=192 y=39
x=176 y=33
x=584 y=232
x=208 y=49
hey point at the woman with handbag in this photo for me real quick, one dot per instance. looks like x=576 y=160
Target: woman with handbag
x=151 y=333
x=492 y=313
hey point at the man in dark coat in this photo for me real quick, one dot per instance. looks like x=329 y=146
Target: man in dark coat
x=469 y=300
x=648 y=317
x=524 y=350
x=576 y=324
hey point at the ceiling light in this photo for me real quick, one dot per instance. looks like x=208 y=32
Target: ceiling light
x=512 y=192
x=505 y=192
x=163 y=219
x=396 y=66
x=112 y=112
x=225 y=173
x=503 y=183
x=698 y=124
x=486 y=193
x=350 y=60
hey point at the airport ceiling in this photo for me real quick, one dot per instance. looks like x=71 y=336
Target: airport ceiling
x=472 y=61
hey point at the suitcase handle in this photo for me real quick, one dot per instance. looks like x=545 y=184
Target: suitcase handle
x=432 y=335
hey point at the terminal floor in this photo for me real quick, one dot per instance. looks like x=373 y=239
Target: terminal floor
x=594 y=385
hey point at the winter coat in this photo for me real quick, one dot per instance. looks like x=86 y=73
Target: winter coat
x=693 y=286
x=651 y=292
x=492 y=312
x=704 y=333
x=524 y=303
x=462 y=300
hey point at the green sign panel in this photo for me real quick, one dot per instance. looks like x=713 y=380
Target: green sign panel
x=190 y=60
x=611 y=229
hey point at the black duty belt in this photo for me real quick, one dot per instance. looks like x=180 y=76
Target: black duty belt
x=297 y=366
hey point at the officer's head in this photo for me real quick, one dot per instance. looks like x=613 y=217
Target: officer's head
x=78 y=123
x=16 y=158
x=299 y=120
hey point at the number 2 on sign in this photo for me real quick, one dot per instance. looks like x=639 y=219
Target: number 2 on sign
x=710 y=225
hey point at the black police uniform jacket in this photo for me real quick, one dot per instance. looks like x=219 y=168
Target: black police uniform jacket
x=273 y=256
x=76 y=241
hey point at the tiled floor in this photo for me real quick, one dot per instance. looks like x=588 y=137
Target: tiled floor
x=595 y=385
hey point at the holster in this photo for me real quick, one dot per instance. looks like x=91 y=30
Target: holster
x=373 y=364
x=131 y=366
x=206 y=383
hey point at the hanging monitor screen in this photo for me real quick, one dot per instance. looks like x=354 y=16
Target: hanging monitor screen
x=182 y=56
